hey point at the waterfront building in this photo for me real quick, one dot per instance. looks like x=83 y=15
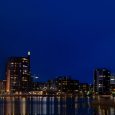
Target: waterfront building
x=35 y=86
x=84 y=87
x=102 y=81
x=66 y=84
x=18 y=74
x=51 y=87
x=112 y=83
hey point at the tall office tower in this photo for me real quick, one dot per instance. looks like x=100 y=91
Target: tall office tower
x=18 y=74
x=102 y=81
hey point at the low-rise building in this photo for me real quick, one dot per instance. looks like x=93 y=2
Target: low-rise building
x=66 y=84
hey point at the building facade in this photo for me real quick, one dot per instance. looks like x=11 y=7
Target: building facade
x=84 y=87
x=112 y=83
x=18 y=74
x=66 y=84
x=2 y=86
x=102 y=81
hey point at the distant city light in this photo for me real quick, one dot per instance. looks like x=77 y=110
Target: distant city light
x=28 y=52
x=112 y=79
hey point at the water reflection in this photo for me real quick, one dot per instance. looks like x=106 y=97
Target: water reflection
x=104 y=106
x=52 y=106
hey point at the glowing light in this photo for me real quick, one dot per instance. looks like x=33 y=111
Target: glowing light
x=8 y=81
x=29 y=53
x=112 y=79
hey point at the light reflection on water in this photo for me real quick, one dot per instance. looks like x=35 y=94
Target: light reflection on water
x=52 y=106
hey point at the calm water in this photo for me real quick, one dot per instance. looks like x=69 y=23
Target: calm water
x=51 y=106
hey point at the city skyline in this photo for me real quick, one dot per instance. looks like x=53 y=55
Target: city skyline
x=36 y=76
x=57 y=57
x=64 y=37
x=19 y=80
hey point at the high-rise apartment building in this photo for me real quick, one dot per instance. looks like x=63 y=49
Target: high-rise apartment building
x=18 y=78
x=102 y=81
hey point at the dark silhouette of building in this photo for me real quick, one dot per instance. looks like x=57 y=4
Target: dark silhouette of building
x=18 y=74
x=102 y=81
x=84 y=87
x=112 y=83
x=2 y=86
x=66 y=84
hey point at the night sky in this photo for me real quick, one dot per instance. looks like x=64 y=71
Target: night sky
x=65 y=37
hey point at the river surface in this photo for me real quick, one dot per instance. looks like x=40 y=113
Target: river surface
x=52 y=106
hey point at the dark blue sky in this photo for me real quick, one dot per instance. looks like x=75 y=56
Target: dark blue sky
x=65 y=37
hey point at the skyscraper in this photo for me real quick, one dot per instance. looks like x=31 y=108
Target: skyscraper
x=18 y=74
x=102 y=81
